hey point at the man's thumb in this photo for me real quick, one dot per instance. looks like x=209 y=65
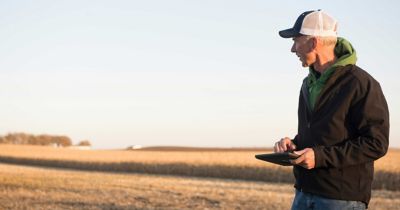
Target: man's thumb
x=300 y=152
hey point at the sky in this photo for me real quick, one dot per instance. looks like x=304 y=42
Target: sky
x=178 y=73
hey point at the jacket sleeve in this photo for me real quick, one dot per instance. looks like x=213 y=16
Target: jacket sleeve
x=294 y=140
x=369 y=116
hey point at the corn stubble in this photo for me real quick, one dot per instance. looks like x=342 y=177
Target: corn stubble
x=253 y=184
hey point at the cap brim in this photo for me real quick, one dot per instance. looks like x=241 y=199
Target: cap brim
x=288 y=33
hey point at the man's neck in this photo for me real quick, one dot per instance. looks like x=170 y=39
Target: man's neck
x=324 y=62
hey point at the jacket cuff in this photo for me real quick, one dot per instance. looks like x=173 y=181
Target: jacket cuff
x=294 y=140
x=319 y=156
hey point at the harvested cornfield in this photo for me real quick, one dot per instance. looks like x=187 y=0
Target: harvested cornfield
x=217 y=163
x=25 y=187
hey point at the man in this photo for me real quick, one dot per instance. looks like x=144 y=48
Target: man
x=343 y=120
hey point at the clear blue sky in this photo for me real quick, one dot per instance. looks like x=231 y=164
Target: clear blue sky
x=189 y=73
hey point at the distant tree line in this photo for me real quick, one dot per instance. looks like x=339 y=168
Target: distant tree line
x=44 y=139
x=84 y=143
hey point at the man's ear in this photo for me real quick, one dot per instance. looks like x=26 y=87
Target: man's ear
x=313 y=43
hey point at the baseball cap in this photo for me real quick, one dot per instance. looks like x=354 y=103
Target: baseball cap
x=313 y=23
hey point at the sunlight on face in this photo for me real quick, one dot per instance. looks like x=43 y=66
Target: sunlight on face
x=303 y=48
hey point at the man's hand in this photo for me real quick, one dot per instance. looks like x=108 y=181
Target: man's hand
x=285 y=144
x=306 y=159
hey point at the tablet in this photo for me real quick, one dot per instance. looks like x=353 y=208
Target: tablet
x=282 y=158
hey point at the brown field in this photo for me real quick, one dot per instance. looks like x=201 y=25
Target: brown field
x=233 y=164
x=102 y=182
x=24 y=187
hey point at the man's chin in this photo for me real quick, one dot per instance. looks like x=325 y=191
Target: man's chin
x=305 y=65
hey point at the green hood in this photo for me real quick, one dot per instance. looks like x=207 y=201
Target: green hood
x=345 y=54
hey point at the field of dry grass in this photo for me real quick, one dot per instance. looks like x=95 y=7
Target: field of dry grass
x=235 y=164
x=24 y=187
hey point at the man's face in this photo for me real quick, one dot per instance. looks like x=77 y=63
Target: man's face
x=303 y=47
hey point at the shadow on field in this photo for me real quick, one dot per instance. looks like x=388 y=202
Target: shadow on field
x=383 y=179
x=280 y=174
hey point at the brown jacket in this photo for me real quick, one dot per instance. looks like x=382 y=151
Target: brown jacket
x=348 y=129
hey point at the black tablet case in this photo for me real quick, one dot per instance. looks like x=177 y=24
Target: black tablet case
x=282 y=158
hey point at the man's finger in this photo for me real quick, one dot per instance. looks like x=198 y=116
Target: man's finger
x=298 y=160
x=281 y=149
x=277 y=147
x=300 y=152
x=282 y=146
x=293 y=147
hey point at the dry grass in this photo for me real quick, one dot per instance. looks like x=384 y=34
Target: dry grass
x=226 y=164
x=203 y=163
x=24 y=187
x=35 y=188
x=242 y=158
